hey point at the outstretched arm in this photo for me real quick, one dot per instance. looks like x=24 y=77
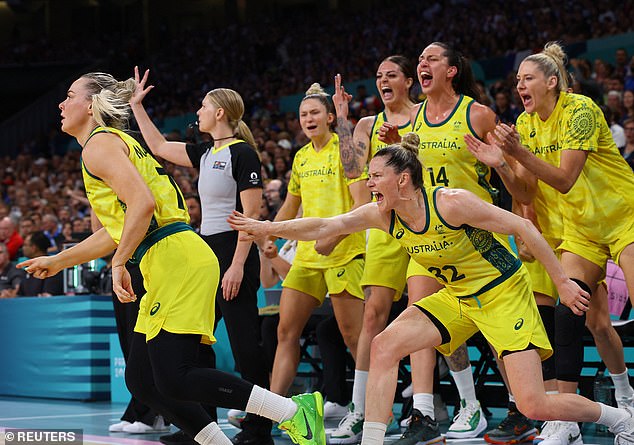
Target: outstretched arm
x=308 y=229
x=460 y=207
x=171 y=151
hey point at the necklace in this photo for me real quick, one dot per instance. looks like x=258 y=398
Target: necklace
x=222 y=139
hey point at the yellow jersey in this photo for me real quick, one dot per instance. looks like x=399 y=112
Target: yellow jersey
x=319 y=180
x=170 y=205
x=604 y=191
x=375 y=143
x=444 y=152
x=466 y=260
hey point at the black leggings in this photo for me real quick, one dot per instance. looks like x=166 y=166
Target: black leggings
x=162 y=373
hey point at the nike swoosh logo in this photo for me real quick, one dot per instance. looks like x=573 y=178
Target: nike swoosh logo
x=309 y=432
x=572 y=438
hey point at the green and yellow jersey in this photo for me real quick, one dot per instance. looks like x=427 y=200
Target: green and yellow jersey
x=444 y=152
x=170 y=205
x=319 y=180
x=375 y=143
x=468 y=261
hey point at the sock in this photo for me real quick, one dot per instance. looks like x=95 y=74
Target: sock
x=424 y=403
x=358 y=390
x=373 y=433
x=622 y=388
x=270 y=405
x=614 y=418
x=212 y=434
x=464 y=382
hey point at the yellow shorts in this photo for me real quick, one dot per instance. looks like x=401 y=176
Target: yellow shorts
x=319 y=282
x=385 y=262
x=180 y=275
x=506 y=315
x=415 y=269
x=540 y=280
x=601 y=246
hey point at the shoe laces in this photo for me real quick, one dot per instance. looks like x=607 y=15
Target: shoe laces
x=549 y=428
x=416 y=423
x=466 y=412
x=511 y=420
x=349 y=420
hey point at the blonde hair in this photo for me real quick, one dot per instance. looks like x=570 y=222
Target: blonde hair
x=231 y=101
x=552 y=61
x=404 y=157
x=110 y=99
x=411 y=142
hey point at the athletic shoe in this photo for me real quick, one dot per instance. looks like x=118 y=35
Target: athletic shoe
x=515 y=428
x=625 y=401
x=180 y=437
x=118 y=427
x=559 y=433
x=142 y=428
x=469 y=422
x=624 y=430
x=246 y=437
x=421 y=430
x=350 y=428
x=333 y=410
x=306 y=427
x=235 y=417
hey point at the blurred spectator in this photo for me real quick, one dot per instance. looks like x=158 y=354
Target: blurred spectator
x=614 y=102
x=10 y=237
x=10 y=276
x=192 y=200
x=26 y=226
x=273 y=196
x=618 y=133
x=628 y=106
x=628 y=150
x=507 y=111
x=53 y=230
x=36 y=244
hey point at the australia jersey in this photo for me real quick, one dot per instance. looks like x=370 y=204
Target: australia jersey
x=224 y=172
x=445 y=156
x=375 y=143
x=319 y=180
x=169 y=202
x=604 y=191
x=466 y=260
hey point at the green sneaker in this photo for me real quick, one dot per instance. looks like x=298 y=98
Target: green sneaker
x=306 y=427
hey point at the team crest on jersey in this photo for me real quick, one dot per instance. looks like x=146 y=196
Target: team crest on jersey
x=439 y=228
x=219 y=165
x=456 y=125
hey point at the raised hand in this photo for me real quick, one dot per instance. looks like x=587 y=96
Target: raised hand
x=489 y=154
x=341 y=99
x=388 y=133
x=508 y=138
x=141 y=91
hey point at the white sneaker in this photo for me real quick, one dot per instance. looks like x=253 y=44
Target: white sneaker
x=141 y=428
x=557 y=432
x=624 y=430
x=468 y=423
x=333 y=410
x=235 y=417
x=118 y=427
x=350 y=428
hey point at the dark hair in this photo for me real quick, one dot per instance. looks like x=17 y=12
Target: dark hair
x=41 y=241
x=407 y=68
x=192 y=195
x=404 y=156
x=463 y=82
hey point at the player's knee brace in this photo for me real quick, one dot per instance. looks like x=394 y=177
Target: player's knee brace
x=547 y=314
x=569 y=329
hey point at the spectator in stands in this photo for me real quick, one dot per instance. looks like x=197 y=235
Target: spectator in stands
x=10 y=236
x=628 y=106
x=26 y=226
x=10 y=276
x=628 y=150
x=53 y=230
x=192 y=200
x=36 y=244
x=273 y=194
x=506 y=110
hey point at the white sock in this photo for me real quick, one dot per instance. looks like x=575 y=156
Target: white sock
x=358 y=390
x=464 y=382
x=613 y=418
x=373 y=433
x=622 y=386
x=270 y=405
x=424 y=403
x=212 y=435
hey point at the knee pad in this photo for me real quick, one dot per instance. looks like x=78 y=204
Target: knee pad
x=548 y=318
x=569 y=329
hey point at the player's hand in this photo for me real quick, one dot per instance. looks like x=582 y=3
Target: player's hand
x=388 y=133
x=41 y=267
x=141 y=90
x=250 y=228
x=489 y=153
x=508 y=138
x=574 y=297
x=122 y=284
x=231 y=282
x=341 y=99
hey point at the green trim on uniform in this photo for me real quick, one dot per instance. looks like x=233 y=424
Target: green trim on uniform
x=155 y=236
